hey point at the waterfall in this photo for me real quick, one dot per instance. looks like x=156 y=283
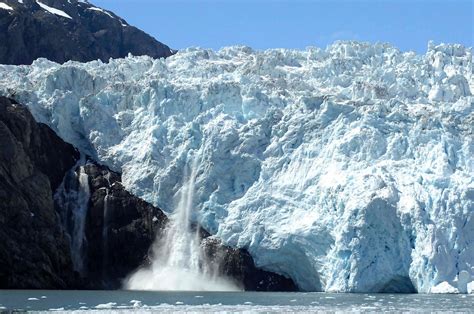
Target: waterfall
x=105 y=228
x=72 y=198
x=178 y=263
x=105 y=234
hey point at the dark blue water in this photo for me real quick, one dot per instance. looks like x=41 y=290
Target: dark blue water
x=205 y=302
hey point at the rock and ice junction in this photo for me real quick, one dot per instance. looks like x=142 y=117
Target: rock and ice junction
x=348 y=169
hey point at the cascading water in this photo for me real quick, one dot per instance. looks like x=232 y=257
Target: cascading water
x=72 y=197
x=178 y=263
x=105 y=234
x=105 y=228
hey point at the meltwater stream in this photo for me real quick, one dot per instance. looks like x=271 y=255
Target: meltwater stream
x=178 y=262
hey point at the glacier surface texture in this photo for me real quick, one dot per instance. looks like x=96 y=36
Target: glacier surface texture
x=348 y=168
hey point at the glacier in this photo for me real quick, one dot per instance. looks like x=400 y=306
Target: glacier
x=348 y=169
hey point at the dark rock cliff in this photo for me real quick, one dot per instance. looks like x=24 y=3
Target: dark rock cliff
x=120 y=229
x=34 y=252
x=239 y=265
x=30 y=30
x=36 y=235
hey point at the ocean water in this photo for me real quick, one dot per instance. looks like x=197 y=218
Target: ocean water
x=227 y=302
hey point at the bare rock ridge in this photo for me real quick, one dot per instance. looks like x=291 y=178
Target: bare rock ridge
x=36 y=246
x=63 y=30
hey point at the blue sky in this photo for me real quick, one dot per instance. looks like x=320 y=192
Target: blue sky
x=261 y=24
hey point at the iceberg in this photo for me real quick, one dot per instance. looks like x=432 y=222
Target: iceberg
x=348 y=169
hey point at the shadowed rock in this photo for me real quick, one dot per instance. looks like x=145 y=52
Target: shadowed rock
x=239 y=265
x=34 y=251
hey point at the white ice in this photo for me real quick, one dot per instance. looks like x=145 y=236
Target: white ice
x=348 y=168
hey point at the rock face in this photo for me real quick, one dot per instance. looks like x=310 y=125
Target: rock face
x=61 y=30
x=239 y=265
x=34 y=251
x=120 y=229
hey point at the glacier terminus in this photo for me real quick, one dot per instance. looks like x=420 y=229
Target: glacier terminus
x=348 y=169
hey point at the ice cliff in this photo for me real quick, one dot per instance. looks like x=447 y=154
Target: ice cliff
x=347 y=169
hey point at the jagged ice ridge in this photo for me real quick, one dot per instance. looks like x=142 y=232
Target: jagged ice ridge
x=347 y=169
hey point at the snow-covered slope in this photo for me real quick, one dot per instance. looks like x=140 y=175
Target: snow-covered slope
x=348 y=169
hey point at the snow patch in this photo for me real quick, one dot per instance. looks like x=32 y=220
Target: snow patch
x=109 y=305
x=101 y=10
x=5 y=6
x=54 y=10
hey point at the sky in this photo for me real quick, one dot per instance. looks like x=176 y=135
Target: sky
x=297 y=24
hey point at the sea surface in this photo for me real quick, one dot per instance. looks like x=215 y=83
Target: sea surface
x=227 y=302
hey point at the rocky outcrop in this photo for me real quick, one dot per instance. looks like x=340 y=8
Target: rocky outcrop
x=62 y=30
x=120 y=229
x=239 y=265
x=34 y=251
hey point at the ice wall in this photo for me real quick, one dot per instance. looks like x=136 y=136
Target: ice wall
x=348 y=169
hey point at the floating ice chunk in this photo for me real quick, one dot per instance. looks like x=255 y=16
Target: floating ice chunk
x=136 y=303
x=470 y=287
x=106 y=305
x=444 y=287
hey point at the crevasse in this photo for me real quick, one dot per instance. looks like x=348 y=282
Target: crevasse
x=348 y=169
